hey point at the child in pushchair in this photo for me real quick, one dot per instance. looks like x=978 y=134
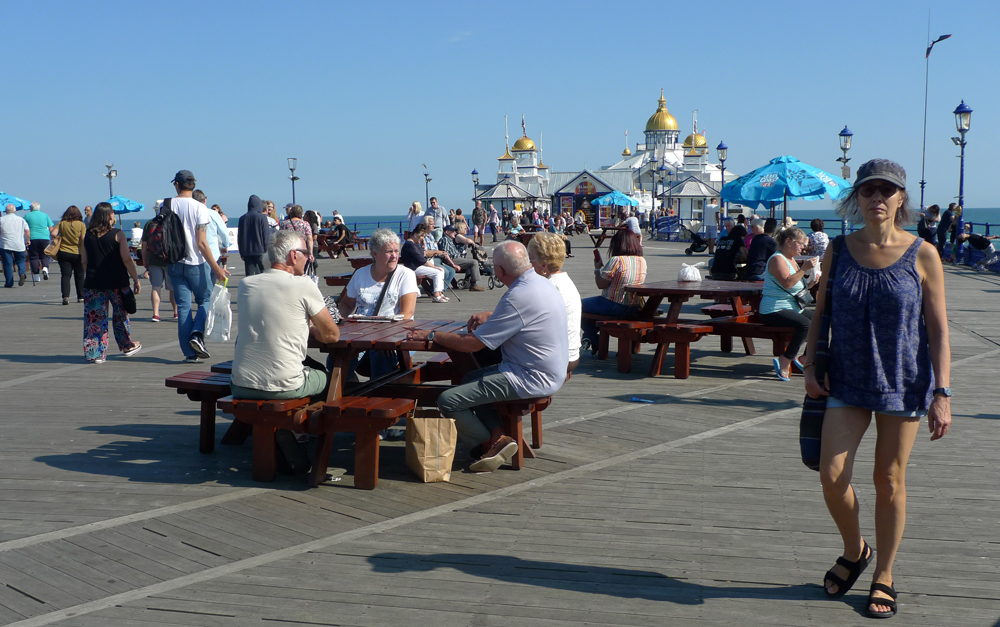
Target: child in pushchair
x=698 y=243
x=480 y=256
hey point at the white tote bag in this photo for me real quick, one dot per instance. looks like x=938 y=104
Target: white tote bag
x=220 y=314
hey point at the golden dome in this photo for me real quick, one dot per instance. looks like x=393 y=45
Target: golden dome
x=524 y=144
x=506 y=156
x=542 y=166
x=661 y=120
x=695 y=140
x=626 y=152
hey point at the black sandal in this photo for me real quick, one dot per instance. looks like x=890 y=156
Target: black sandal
x=890 y=603
x=854 y=570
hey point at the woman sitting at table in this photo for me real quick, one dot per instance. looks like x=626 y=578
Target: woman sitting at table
x=412 y=256
x=385 y=285
x=783 y=281
x=729 y=251
x=625 y=267
x=546 y=251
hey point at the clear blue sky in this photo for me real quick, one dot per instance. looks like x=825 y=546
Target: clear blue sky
x=364 y=93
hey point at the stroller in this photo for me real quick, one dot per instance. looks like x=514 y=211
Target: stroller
x=480 y=256
x=698 y=243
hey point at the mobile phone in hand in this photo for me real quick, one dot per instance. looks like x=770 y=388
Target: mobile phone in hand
x=597 y=258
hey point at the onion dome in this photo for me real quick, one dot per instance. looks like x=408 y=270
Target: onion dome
x=661 y=120
x=542 y=166
x=695 y=140
x=626 y=152
x=524 y=144
x=506 y=156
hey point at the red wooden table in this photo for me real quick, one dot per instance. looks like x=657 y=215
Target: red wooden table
x=606 y=233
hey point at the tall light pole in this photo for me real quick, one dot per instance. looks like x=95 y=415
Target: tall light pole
x=111 y=177
x=670 y=189
x=292 y=164
x=475 y=184
x=427 y=191
x=652 y=182
x=723 y=151
x=963 y=118
x=845 y=144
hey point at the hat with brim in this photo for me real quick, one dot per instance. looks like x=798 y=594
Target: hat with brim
x=882 y=169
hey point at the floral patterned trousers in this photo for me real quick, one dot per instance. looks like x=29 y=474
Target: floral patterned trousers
x=95 y=323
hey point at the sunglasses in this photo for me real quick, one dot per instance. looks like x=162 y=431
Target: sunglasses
x=301 y=250
x=868 y=190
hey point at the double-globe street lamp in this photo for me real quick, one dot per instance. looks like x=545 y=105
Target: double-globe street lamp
x=475 y=184
x=292 y=164
x=112 y=173
x=427 y=188
x=723 y=151
x=963 y=118
x=652 y=182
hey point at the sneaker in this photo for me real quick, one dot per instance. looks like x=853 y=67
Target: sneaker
x=197 y=343
x=45 y=273
x=191 y=359
x=79 y=300
x=477 y=288
x=95 y=361
x=175 y=315
x=498 y=455
x=135 y=349
x=155 y=318
x=21 y=279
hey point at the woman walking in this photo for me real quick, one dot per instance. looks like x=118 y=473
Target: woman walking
x=889 y=355
x=71 y=228
x=104 y=252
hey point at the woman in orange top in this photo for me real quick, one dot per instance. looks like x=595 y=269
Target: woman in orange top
x=625 y=267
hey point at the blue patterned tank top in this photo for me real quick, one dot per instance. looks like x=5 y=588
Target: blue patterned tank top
x=879 y=357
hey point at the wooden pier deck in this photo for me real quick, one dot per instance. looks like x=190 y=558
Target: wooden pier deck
x=691 y=510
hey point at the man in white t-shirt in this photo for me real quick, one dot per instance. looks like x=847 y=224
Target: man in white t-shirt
x=192 y=275
x=276 y=307
x=632 y=223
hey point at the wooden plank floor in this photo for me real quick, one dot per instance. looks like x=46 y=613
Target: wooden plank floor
x=693 y=509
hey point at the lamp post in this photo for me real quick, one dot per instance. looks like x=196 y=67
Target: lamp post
x=111 y=177
x=475 y=184
x=963 y=118
x=845 y=144
x=292 y=164
x=427 y=184
x=652 y=182
x=723 y=151
x=670 y=190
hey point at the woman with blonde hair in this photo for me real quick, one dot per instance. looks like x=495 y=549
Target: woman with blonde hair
x=546 y=251
x=415 y=214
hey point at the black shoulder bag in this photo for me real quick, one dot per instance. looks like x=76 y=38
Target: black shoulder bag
x=813 y=409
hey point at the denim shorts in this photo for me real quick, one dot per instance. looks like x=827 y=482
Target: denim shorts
x=915 y=413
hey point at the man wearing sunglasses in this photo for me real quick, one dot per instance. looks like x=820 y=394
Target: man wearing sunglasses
x=279 y=311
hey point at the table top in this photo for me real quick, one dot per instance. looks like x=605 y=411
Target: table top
x=388 y=335
x=707 y=288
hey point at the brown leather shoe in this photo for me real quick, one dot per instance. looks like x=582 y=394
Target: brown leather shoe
x=499 y=454
x=477 y=288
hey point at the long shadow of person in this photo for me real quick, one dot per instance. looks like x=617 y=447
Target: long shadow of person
x=612 y=581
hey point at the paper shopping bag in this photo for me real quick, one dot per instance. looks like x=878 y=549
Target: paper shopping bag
x=430 y=445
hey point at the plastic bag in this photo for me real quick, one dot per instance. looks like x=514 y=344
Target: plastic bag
x=220 y=314
x=690 y=272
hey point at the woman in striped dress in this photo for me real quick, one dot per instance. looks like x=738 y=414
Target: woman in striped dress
x=625 y=267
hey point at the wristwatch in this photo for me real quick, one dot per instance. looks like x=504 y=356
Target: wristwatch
x=430 y=338
x=942 y=392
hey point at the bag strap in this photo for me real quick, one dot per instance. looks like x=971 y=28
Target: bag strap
x=797 y=282
x=385 y=288
x=822 y=356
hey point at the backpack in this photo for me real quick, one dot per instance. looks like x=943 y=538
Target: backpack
x=166 y=242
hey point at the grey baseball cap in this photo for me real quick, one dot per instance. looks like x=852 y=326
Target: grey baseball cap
x=882 y=169
x=183 y=176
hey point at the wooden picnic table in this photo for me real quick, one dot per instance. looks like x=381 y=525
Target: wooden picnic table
x=741 y=296
x=606 y=233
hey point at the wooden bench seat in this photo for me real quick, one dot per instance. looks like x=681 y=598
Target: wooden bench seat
x=205 y=388
x=511 y=413
x=748 y=328
x=632 y=333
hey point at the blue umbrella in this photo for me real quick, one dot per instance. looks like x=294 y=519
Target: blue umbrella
x=19 y=203
x=120 y=204
x=783 y=178
x=617 y=199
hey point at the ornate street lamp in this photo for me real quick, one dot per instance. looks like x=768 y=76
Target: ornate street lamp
x=292 y=164
x=845 y=144
x=723 y=151
x=963 y=118
x=652 y=180
x=475 y=184
x=111 y=177
x=427 y=183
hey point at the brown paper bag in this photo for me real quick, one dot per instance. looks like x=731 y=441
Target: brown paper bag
x=430 y=445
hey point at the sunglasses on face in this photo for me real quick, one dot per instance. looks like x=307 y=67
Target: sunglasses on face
x=885 y=189
x=301 y=250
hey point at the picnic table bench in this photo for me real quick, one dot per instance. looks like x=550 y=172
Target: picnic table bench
x=206 y=388
x=632 y=333
x=327 y=245
x=606 y=232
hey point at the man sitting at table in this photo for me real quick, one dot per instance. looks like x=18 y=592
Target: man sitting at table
x=762 y=246
x=276 y=308
x=529 y=326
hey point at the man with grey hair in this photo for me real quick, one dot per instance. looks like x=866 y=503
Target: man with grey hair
x=41 y=226
x=14 y=238
x=529 y=327
x=762 y=246
x=276 y=308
